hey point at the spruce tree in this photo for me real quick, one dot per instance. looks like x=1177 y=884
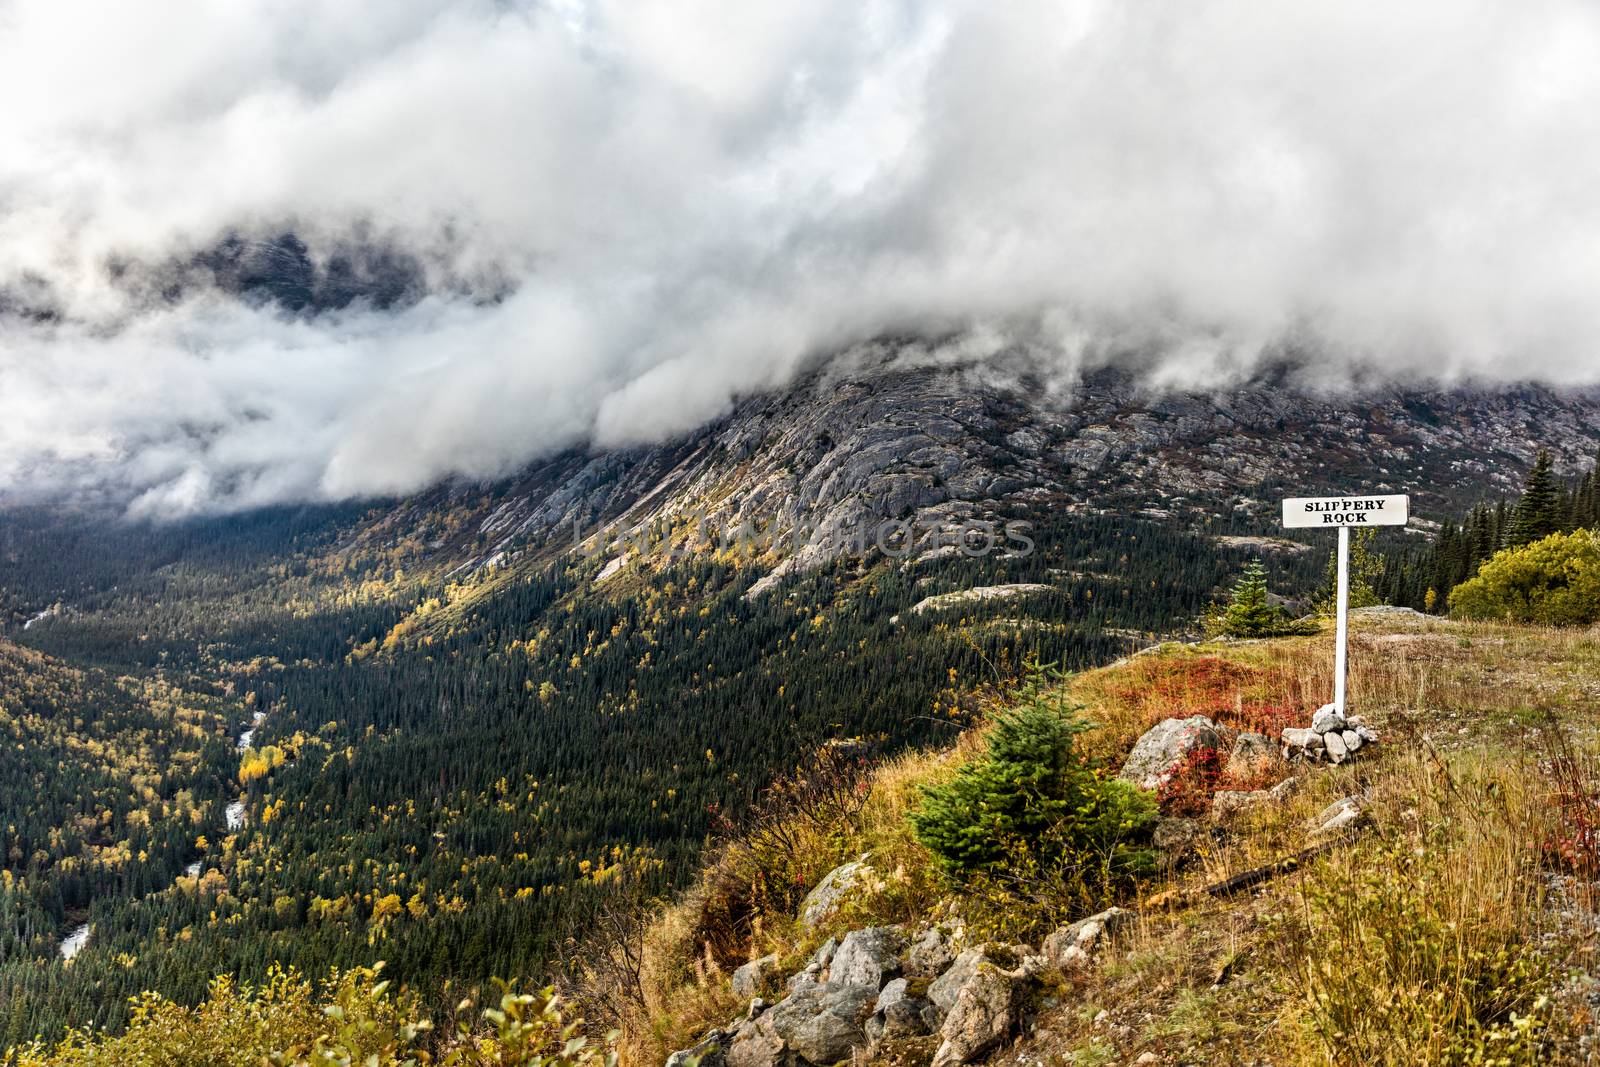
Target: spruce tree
x=1539 y=513
x=1250 y=612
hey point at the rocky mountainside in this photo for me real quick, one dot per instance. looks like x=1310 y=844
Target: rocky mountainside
x=869 y=455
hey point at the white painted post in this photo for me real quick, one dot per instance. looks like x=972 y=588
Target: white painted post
x=1342 y=627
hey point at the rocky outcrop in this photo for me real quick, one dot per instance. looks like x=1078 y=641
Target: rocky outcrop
x=932 y=952
x=868 y=957
x=1165 y=747
x=825 y=468
x=711 y=1051
x=884 y=983
x=900 y=1013
x=979 y=595
x=1074 y=946
x=821 y=903
x=981 y=1016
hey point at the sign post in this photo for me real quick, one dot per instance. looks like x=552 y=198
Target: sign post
x=1344 y=512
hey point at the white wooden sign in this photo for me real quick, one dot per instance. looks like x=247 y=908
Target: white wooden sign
x=1344 y=512
x=1305 y=512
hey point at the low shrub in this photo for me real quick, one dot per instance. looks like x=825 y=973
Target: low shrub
x=1188 y=790
x=352 y=1017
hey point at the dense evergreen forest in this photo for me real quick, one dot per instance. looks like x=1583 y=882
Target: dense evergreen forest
x=1423 y=578
x=453 y=767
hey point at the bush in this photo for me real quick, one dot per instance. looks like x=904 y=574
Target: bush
x=1554 y=581
x=1031 y=806
x=351 y=1018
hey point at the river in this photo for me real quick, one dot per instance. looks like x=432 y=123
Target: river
x=233 y=815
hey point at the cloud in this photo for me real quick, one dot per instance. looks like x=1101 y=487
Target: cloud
x=630 y=214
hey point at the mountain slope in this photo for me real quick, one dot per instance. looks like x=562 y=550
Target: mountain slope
x=487 y=705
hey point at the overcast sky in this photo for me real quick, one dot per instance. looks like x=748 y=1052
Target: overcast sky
x=689 y=200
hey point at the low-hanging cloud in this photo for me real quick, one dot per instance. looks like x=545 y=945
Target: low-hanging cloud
x=630 y=214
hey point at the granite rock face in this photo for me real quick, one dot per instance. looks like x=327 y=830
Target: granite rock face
x=859 y=454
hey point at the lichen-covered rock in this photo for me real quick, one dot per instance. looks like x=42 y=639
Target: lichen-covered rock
x=868 y=957
x=756 y=1045
x=1074 y=945
x=819 y=1023
x=931 y=952
x=823 y=1023
x=982 y=1015
x=1165 y=747
x=823 y=901
x=945 y=988
x=900 y=1013
x=815 y=967
x=747 y=980
x=709 y=1051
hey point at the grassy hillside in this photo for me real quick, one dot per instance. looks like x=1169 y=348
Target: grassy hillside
x=1456 y=926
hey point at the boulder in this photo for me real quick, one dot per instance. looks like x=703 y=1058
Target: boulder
x=747 y=980
x=945 y=988
x=827 y=1031
x=1254 y=757
x=1352 y=739
x=1338 y=815
x=868 y=957
x=1074 y=945
x=930 y=953
x=1165 y=746
x=823 y=900
x=1301 y=744
x=1327 y=718
x=755 y=1045
x=1334 y=740
x=899 y=1013
x=982 y=1015
x=710 y=1051
x=820 y=1023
